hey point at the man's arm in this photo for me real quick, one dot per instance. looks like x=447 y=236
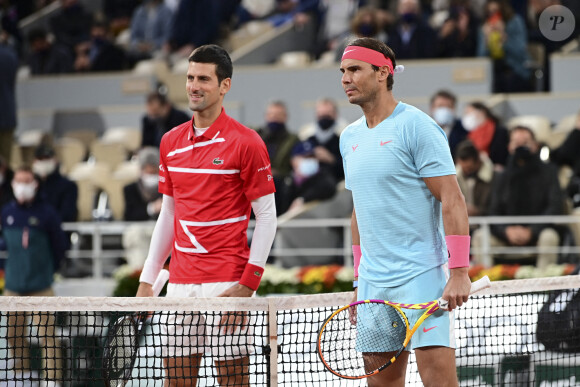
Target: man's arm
x=265 y=210
x=161 y=242
x=455 y=220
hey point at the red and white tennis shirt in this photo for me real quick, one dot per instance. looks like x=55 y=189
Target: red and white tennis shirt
x=213 y=178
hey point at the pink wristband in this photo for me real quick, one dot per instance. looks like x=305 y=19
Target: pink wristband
x=356 y=254
x=458 y=250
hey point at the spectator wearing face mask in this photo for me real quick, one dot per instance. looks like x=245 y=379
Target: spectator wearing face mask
x=142 y=198
x=527 y=186
x=475 y=175
x=33 y=237
x=310 y=180
x=142 y=203
x=324 y=135
x=46 y=57
x=442 y=107
x=486 y=133
x=56 y=189
x=279 y=143
x=160 y=118
x=368 y=22
x=411 y=37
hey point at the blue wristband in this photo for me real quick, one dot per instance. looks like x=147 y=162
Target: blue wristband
x=355 y=284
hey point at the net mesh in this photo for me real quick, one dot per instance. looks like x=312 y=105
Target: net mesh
x=502 y=335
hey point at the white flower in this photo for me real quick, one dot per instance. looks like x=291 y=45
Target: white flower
x=277 y=275
x=122 y=272
x=345 y=274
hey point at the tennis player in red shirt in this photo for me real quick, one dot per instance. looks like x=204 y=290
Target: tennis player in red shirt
x=213 y=172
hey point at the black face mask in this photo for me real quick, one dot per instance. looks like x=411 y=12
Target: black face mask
x=275 y=127
x=367 y=29
x=522 y=155
x=325 y=122
x=409 y=18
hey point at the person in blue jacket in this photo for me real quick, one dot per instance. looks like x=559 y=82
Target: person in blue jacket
x=35 y=242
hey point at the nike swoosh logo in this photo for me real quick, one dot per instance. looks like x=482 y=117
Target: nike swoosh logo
x=354 y=147
x=347 y=51
x=425 y=330
x=386 y=142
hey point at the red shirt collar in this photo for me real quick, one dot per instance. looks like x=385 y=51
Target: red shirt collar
x=217 y=126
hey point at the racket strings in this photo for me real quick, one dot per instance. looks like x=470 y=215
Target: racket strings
x=121 y=350
x=353 y=342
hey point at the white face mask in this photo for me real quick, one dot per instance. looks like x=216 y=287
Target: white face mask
x=444 y=116
x=44 y=168
x=150 y=180
x=24 y=192
x=308 y=167
x=471 y=121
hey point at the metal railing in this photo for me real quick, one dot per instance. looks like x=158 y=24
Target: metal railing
x=99 y=230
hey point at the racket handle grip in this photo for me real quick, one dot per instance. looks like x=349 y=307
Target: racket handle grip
x=480 y=284
x=160 y=282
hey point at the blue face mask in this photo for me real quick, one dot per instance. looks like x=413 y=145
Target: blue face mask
x=275 y=127
x=308 y=167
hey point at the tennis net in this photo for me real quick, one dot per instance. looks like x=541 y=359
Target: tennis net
x=516 y=333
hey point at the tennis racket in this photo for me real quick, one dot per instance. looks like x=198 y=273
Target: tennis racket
x=120 y=350
x=352 y=342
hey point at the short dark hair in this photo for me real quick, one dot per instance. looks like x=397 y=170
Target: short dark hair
x=467 y=151
x=212 y=53
x=381 y=47
x=525 y=129
x=157 y=96
x=444 y=94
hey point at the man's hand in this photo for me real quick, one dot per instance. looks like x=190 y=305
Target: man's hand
x=518 y=235
x=231 y=320
x=237 y=291
x=145 y=290
x=352 y=311
x=458 y=286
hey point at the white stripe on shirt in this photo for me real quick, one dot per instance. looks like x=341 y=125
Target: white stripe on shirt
x=196 y=145
x=208 y=171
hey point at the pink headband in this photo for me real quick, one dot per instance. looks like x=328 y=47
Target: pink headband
x=367 y=55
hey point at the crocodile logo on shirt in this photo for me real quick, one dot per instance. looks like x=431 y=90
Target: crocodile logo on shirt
x=217 y=161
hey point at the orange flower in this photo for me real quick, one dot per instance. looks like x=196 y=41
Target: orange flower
x=509 y=271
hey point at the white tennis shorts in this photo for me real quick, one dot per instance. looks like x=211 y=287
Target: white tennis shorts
x=190 y=333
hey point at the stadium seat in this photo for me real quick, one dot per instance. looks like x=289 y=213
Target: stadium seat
x=28 y=141
x=15 y=156
x=561 y=130
x=129 y=137
x=88 y=176
x=114 y=188
x=294 y=59
x=127 y=171
x=540 y=125
x=86 y=136
x=111 y=153
x=69 y=152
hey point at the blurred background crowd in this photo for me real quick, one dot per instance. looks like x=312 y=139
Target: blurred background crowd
x=504 y=167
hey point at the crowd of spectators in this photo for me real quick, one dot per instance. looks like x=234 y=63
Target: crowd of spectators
x=122 y=33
